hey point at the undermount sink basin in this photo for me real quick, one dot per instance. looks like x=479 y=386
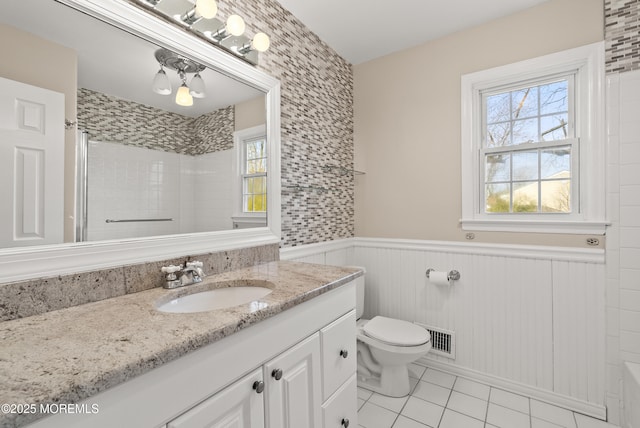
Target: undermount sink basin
x=218 y=298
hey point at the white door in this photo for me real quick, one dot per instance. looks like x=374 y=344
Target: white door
x=238 y=406
x=293 y=387
x=31 y=165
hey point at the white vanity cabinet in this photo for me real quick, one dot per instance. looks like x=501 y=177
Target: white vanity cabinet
x=305 y=358
x=292 y=385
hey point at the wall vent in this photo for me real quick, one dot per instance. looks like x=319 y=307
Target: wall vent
x=443 y=341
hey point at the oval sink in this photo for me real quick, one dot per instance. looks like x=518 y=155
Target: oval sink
x=218 y=298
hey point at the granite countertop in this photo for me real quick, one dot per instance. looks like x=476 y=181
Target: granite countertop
x=69 y=355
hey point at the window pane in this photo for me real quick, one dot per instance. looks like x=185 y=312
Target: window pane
x=554 y=127
x=556 y=163
x=556 y=196
x=498 y=108
x=524 y=103
x=498 y=135
x=525 y=197
x=497 y=198
x=497 y=168
x=525 y=131
x=554 y=98
x=525 y=165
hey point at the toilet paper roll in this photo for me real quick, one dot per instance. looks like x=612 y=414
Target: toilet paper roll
x=439 y=278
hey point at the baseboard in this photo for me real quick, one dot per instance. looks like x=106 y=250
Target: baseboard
x=579 y=406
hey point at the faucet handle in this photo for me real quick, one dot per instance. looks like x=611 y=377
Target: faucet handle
x=171 y=269
x=195 y=264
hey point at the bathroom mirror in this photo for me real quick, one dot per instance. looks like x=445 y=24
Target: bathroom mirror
x=139 y=141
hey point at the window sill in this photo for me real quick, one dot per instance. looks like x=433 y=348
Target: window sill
x=535 y=226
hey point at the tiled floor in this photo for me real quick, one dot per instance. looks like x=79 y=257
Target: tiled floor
x=442 y=400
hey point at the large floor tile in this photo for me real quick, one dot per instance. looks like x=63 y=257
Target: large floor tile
x=587 y=422
x=503 y=417
x=451 y=419
x=553 y=414
x=509 y=400
x=365 y=394
x=423 y=411
x=390 y=403
x=468 y=405
x=404 y=422
x=439 y=378
x=539 y=423
x=416 y=371
x=472 y=388
x=432 y=392
x=372 y=416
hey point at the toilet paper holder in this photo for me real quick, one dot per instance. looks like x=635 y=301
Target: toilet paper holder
x=453 y=275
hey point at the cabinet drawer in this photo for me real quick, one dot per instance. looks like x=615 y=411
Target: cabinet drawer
x=341 y=410
x=338 y=344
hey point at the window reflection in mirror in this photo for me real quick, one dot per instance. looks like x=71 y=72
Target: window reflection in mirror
x=153 y=167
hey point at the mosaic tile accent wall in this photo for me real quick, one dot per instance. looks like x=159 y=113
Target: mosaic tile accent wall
x=214 y=131
x=317 y=123
x=622 y=35
x=114 y=120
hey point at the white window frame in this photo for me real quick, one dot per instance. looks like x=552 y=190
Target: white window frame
x=239 y=145
x=588 y=205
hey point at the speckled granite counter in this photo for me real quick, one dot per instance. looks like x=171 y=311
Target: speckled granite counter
x=69 y=355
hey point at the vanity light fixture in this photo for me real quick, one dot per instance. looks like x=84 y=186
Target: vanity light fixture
x=182 y=65
x=201 y=20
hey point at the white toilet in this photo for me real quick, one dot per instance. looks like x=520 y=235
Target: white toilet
x=385 y=347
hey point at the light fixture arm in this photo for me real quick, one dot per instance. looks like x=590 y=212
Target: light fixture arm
x=190 y=17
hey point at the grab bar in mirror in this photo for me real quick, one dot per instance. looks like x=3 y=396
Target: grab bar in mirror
x=131 y=220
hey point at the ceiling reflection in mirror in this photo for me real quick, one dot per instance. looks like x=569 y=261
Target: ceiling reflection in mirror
x=164 y=145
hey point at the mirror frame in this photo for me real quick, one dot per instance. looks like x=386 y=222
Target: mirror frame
x=60 y=259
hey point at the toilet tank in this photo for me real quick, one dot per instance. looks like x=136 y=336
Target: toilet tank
x=359 y=291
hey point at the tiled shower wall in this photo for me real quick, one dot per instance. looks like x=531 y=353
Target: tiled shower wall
x=114 y=120
x=317 y=123
x=622 y=41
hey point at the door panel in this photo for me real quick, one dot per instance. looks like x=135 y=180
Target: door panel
x=31 y=165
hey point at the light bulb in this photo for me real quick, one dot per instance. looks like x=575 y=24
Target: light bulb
x=260 y=42
x=196 y=87
x=206 y=8
x=235 y=25
x=161 y=84
x=183 y=97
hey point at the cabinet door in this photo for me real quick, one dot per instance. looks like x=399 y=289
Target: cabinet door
x=293 y=390
x=237 y=406
x=338 y=344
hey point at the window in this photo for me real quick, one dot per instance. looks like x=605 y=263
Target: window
x=533 y=145
x=251 y=169
x=254 y=175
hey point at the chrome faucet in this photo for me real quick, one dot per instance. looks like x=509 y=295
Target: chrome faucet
x=179 y=276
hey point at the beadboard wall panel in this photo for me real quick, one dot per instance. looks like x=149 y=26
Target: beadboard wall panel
x=525 y=318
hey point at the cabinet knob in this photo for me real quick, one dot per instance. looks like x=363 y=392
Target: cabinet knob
x=277 y=374
x=258 y=386
x=344 y=354
x=345 y=423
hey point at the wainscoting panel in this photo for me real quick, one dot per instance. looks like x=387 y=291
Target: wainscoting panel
x=528 y=319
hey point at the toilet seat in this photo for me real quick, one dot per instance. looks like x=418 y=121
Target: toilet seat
x=396 y=332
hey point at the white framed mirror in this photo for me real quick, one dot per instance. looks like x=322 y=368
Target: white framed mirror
x=33 y=261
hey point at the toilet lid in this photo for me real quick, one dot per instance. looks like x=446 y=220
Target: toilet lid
x=396 y=332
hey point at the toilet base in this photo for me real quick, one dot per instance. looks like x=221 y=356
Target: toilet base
x=392 y=382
